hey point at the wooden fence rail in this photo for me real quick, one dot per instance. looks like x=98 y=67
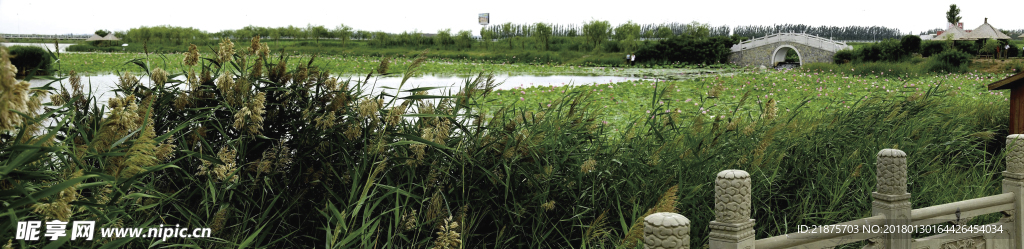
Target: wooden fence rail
x=734 y=229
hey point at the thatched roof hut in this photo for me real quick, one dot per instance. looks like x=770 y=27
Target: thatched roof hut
x=109 y=37
x=95 y=37
x=953 y=33
x=986 y=31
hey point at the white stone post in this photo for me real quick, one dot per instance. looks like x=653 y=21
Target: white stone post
x=891 y=197
x=732 y=228
x=1013 y=182
x=666 y=231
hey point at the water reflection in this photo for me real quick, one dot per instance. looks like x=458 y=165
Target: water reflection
x=63 y=46
x=102 y=85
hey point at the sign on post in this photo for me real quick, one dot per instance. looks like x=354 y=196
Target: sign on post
x=485 y=18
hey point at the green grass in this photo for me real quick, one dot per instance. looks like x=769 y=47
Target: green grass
x=810 y=89
x=493 y=52
x=103 y=63
x=529 y=168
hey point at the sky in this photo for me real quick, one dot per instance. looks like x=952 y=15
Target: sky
x=396 y=16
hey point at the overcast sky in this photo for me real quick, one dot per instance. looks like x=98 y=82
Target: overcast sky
x=84 y=17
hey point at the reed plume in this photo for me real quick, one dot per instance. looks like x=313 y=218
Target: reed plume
x=667 y=203
x=192 y=56
x=226 y=52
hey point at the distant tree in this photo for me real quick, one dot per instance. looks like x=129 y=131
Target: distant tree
x=464 y=39
x=597 y=31
x=443 y=38
x=506 y=32
x=663 y=32
x=542 y=32
x=363 y=34
x=343 y=33
x=626 y=30
x=486 y=35
x=317 y=32
x=275 y=34
x=698 y=30
x=953 y=15
x=102 y=32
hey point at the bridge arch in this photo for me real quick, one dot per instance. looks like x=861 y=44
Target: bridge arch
x=779 y=55
x=768 y=50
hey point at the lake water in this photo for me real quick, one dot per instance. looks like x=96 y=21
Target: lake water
x=103 y=84
x=63 y=46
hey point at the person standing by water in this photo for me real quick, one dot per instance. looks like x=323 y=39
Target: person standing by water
x=632 y=59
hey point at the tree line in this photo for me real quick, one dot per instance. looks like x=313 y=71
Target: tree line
x=834 y=32
x=592 y=29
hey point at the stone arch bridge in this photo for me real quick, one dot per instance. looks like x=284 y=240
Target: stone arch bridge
x=770 y=50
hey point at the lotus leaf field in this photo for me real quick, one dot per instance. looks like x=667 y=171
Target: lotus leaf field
x=719 y=96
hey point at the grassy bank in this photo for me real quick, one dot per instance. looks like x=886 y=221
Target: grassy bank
x=492 y=52
x=99 y=63
x=811 y=90
x=294 y=158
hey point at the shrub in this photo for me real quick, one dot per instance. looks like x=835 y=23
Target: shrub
x=843 y=56
x=869 y=53
x=929 y=48
x=1014 y=67
x=951 y=61
x=990 y=46
x=27 y=58
x=891 y=50
x=911 y=44
x=687 y=49
x=969 y=47
x=916 y=59
x=1014 y=51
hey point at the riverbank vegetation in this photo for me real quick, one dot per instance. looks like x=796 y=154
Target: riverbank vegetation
x=593 y=43
x=31 y=60
x=270 y=150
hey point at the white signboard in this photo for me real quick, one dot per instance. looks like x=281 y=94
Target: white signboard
x=485 y=18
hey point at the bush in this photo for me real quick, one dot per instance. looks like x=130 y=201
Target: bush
x=929 y=48
x=27 y=58
x=891 y=50
x=990 y=47
x=1014 y=67
x=869 y=53
x=1014 y=51
x=969 y=47
x=911 y=44
x=950 y=61
x=843 y=56
x=689 y=50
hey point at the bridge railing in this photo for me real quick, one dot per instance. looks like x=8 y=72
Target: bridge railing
x=38 y=36
x=892 y=224
x=806 y=39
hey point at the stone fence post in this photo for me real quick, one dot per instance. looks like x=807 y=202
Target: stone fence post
x=1013 y=181
x=732 y=228
x=666 y=231
x=891 y=197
